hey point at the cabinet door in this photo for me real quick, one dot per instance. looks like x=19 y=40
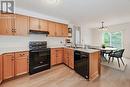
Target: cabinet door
x=71 y=58
x=52 y=28
x=66 y=58
x=21 y=63
x=43 y=25
x=59 y=56
x=8 y=66
x=65 y=30
x=59 y=30
x=53 y=57
x=7 y=24
x=0 y=68
x=21 y=25
x=34 y=23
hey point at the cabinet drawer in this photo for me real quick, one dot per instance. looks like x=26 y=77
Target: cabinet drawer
x=21 y=54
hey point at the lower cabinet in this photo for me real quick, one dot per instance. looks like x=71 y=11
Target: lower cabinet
x=21 y=63
x=69 y=57
x=15 y=64
x=56 y=56
x=8 y=66
x=94 y=65
x=0 y=68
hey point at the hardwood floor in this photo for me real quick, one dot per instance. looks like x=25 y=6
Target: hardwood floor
x=62 y=76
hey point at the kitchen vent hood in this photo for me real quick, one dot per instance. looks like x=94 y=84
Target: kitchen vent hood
x=38 y=32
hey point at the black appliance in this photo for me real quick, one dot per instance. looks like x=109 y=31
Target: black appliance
x=81 y=63
x=39 y=57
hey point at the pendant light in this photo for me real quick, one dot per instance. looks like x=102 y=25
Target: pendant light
x=102 y=26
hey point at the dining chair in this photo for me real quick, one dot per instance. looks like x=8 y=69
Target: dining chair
x=107 y=52
x=117 y=54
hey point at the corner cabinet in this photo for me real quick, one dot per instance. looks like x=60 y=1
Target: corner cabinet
x=1 y=74
x=69 y=57
x=56 y=56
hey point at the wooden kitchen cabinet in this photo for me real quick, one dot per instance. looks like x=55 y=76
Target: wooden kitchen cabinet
x=21 y=63
x=38 y=24
x=21 y=25
x=8 y=66
x=1 y=67
x=59 y=55
x=53 y=57
x=34 y=24
x=7 y=24
x=94 y=65
x=52 y=28
x=66 y=56
x=11 y=24
x=43 y=25
x=69 y=57
x=65 y=30
x=56 y=56
x=59 y=30
x=15 y=64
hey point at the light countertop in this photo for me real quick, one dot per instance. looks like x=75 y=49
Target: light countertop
x=87 y=50
x=13 y=49
x=79 y=49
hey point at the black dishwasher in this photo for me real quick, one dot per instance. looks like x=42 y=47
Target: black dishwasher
x=81 y=63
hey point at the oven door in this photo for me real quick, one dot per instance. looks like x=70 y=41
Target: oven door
x=39 y=60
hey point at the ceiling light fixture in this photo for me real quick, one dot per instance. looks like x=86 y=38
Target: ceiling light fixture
x=103 y=27
x=52 y=1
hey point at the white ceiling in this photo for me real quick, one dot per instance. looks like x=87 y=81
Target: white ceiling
x=91 y=12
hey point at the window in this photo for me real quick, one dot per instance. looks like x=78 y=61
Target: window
x=113 y=39
x=77 y=35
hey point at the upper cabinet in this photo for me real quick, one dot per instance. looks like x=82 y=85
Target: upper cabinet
x=43 y=25
x=65 y=30
x=21 y=25
x=38 y=24
x=52 y=28
x=7 y=24
x=14 y=24
x=34 y=23
x=57 y=29
x=11 y=24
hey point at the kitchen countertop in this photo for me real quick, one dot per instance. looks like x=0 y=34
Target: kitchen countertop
x=87 y=50
x=18 y=49
x=79 y=49
x=13 y=49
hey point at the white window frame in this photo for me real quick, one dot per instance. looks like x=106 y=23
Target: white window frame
x=111 y=38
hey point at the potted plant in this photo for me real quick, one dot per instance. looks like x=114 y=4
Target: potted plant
x=103 y=46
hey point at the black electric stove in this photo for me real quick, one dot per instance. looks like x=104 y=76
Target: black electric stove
x=39 y=57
